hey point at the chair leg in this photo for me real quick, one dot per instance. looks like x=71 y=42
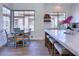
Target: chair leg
x=7 y=43
x=15 y=42
x=29 y=40
x=55 y=51
x=23 y=43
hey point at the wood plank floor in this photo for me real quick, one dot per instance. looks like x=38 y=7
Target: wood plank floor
x=35 y=48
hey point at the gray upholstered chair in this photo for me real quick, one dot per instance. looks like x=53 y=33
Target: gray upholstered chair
x=19 y=37
x=17 y=30
x=27 y=36
x=10 y=39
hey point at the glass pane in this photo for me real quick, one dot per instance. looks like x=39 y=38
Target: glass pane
x=53 y=25
x=31 y=17
x=62 y=14
x=6 y=11
x=6 y=23
x=18 y=23
x=29 y=12
x=56 y=18
x=26 y=24
x=31 y=25
x=27 y=20
x=15 y=13
x=56 y=21
x=15 y=23
x=61 y=18
x=18 y=13
x=6 y=19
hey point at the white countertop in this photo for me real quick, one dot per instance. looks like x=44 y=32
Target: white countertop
x=69 y=41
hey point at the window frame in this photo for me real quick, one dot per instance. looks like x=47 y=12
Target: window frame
x=58 y=16
x=7 y=15
x=24 y=20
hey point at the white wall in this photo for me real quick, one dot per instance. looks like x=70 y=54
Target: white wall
x=38 y=26
x=8 y=5
x=64 y=7
x=75 y=13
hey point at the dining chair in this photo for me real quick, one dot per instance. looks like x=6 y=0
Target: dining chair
x=19 y=38
x=27 y=36
x=10 y=39
x=51 y=45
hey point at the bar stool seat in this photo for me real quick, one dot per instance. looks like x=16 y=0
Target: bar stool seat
x=61 y=50
x=51 y=40
x=48 y=36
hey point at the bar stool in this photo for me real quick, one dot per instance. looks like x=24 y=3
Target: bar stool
x=51 y=50
x=47 y=36
x=61 y=50
x=51 y=45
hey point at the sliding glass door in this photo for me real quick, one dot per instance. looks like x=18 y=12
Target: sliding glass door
x=29 y=20
x=56 y=18
x=6 y=19
x=18 y=23
x=24 y=20
x=26 y=24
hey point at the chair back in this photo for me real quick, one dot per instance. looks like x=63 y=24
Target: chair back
x=6 y=34
x=22 y=31
x=17 y=30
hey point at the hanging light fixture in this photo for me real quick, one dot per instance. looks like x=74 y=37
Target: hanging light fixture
x=47 y=18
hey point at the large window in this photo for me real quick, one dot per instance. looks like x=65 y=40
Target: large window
x=24 y=20
x=56 y=18
x=6 y=19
